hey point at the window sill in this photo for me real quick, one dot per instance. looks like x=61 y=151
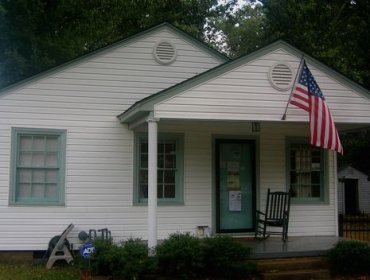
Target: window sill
x=22 y=204
x=161 y=203
x=308 y=201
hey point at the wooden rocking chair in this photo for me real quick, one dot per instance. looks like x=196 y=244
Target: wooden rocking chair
x=276 y=215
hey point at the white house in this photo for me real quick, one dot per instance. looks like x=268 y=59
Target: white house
x=353 y=191
x=77 y=143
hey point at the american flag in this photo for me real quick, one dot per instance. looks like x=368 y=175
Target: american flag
x=308 y=96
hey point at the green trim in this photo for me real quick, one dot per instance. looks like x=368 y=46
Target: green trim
x=324 y=173
x=213 y=52
x=255 y=139
x=228 y=140
x=16 y=133
x=147 y=104
x=179 y=198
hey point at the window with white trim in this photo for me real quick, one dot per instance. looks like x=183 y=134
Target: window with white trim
x=38 y=166
x=306 y=171
x=169 y=169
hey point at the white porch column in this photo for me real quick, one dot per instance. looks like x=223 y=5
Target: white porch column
x=336 y=212
x=152 y=181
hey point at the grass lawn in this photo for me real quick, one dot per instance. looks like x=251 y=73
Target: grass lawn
x=37 y=272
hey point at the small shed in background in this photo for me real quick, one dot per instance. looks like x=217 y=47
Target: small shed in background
x=353 y=191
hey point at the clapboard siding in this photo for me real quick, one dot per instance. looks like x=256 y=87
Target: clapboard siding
x=244 y=93
x=125 y=220
x=320 y=217
x=84 y=98
x=306 y=219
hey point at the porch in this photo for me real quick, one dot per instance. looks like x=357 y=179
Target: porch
x=274 y=247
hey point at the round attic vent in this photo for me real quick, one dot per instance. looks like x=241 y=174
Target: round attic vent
x=164 y=52
x=281 y=76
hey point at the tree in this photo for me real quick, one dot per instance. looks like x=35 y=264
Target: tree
x=238 y=30
x=357 y=151
x=336 y=32
x=39 y=34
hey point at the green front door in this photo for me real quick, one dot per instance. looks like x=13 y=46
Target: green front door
x=235 y=185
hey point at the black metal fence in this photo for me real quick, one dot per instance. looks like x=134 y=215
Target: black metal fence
x=355 y=227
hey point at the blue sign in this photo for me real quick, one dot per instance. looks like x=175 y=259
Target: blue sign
x=87 y=249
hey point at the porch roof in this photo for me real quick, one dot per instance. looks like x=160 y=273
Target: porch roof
x=139 y=111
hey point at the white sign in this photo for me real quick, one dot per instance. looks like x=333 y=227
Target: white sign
x=235 y=201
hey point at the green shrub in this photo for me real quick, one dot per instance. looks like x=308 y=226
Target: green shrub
x=133 y=259
x=186 y=257
x=225 y=257
x=99 y=261
x=350 y=257
x=180 y=256
x=128 y=260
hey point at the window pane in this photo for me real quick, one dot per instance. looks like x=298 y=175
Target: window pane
x=25 y=159
x=52 y=144
x=169 y=177
x=316 y=191
x=51 y=191
x=170 y=147
x=160 y=191
x=292 y=160
x=160 y=161
x=160 y=178
x=144 y=147
x=24 y=190
x=25 y=143
x=170 y=161
x=293 y=177
x=51 y=176
x=38 y=190
x=144 y=161
x=143 y=177
x=51 y=160
x=143 y=192
x=25 y=176
x=38 y=159
x=38 y=143
x=315 y=177
x=170 y=191
x=160 y=147
x=38 y=176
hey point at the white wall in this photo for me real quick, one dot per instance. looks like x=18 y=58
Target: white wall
x=245 y=93
x=316 y=219
x=84 y=98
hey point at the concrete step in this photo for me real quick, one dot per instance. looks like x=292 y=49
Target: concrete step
x=286 y=264
x=311 y=274
x=294 y=268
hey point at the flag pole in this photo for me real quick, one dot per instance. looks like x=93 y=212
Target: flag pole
x=291 y=91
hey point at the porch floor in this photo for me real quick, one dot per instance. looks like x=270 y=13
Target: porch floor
x=274 y=247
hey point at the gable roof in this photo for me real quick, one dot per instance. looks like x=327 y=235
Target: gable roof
x=213 y=52
x=146 y=105
x=350 y=169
